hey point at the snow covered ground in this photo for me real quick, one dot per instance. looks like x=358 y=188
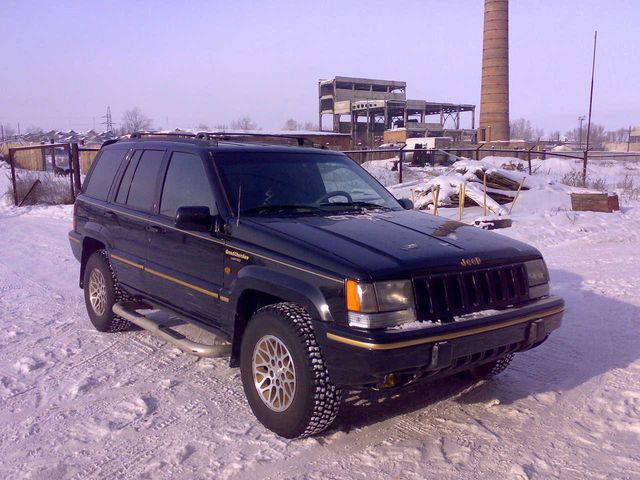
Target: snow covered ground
x=75 y=403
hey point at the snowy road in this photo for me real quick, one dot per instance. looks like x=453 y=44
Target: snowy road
x=75 y=403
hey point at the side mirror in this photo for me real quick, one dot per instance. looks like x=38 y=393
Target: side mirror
x=193 y=218
x=406 y=203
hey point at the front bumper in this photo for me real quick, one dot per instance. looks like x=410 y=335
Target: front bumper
x=363 y=358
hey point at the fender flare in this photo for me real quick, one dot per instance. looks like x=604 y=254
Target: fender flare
x=281 y=285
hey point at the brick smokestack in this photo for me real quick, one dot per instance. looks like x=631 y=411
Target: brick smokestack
x=494 y=98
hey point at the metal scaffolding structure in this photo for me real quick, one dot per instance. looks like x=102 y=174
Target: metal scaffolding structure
x=373 y=106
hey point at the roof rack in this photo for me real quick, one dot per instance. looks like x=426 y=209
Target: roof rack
x=163 y=134
x=300 y=140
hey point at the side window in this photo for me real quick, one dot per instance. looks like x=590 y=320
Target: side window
x=186 y=185
x=143 y=184
x=125 y=183
x=101 y=178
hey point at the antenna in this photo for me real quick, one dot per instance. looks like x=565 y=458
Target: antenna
x=239 y=197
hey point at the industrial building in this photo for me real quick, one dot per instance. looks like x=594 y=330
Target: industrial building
x=367 y=108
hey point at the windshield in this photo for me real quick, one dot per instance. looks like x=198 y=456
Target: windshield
x=299 y=183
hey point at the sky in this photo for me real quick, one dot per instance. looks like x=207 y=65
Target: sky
x=196 y=62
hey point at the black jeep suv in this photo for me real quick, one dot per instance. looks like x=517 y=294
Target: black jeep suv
x=315 y=275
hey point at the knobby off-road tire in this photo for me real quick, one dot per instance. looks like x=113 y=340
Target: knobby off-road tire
x=101 y=292
x=491 y=369
x=284 y=375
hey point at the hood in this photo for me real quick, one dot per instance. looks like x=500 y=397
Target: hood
x=388 y=244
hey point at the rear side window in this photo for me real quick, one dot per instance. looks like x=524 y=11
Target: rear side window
x=125 y=183
x=143 y=184
x=103 y=173
x=186 y=185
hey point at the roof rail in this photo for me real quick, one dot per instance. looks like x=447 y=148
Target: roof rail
x=109 y=142
x=163 y=134
x=246 y=136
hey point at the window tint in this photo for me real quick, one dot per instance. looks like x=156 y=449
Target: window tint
x=103 y=173
x=186 y=185
x=125 y=183
x=143 y=184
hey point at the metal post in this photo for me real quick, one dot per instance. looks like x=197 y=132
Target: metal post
x=67 y=149
x=75 y=168
x=593 y=70
x=581 y=118
x=529 y=158
x=400 y=164
x=629 y=139
x=13 y=176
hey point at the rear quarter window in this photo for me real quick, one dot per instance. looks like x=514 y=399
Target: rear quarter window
x=103 y=173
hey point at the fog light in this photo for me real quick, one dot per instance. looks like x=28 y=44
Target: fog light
x=389 y=381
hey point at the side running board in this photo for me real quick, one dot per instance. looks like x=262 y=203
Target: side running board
x=128 y=311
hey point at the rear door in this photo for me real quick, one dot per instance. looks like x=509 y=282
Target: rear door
x=185 y=268
x=130 y=211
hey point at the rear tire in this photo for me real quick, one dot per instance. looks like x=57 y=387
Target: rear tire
x=284 y=375
x=491 y=369
x=101 y=292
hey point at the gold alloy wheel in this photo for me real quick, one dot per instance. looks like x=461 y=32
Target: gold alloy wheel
x=97 y=292
x=274 y=374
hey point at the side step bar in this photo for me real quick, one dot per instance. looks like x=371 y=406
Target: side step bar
x=127 y=310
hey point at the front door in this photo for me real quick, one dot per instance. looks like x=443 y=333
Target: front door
x=184 y=268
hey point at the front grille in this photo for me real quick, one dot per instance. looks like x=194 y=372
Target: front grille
x=443 y=296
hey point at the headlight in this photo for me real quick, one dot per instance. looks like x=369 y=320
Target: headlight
x=380 y=304
x=537 y=272
x=538 y=276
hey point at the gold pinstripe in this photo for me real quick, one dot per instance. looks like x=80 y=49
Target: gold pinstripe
x=74 y=239
x=167 y=277
x=219 y=242
x=444 y=336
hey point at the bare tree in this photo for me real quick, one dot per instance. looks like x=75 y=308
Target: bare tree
x=8 y=130
x=34 y=129
x=522 y=129
x=310 y=126
x=244 y=123
x=291 y=124
x=134 y=120
x=597 y=136
x=221 y=127
x=555 y=136
x=202 y=127
x=620 y=135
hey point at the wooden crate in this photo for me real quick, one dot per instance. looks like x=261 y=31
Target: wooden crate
x=594 y=202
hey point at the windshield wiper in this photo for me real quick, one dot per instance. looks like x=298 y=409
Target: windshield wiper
x=271 y=209
x=358 y=205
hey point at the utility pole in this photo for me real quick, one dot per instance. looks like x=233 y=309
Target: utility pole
x=581 y=119
x=629 y=138
x=593 y=71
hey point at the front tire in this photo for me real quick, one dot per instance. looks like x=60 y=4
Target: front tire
x=491 y=369
x=284 y=375
x=101 y=292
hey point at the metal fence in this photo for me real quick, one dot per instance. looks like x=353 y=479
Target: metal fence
x=75 y=158
x=446 y=156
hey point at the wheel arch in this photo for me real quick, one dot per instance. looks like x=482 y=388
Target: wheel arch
x=89 y=246
x=258 y=286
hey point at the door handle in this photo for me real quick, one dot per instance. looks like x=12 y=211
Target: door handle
x=154 y=229
x=110 y=214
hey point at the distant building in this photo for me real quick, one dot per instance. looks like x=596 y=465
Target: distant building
x=634 y=135
x=371 y=107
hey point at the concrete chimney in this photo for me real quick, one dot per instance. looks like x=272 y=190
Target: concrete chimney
x=494 y=98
